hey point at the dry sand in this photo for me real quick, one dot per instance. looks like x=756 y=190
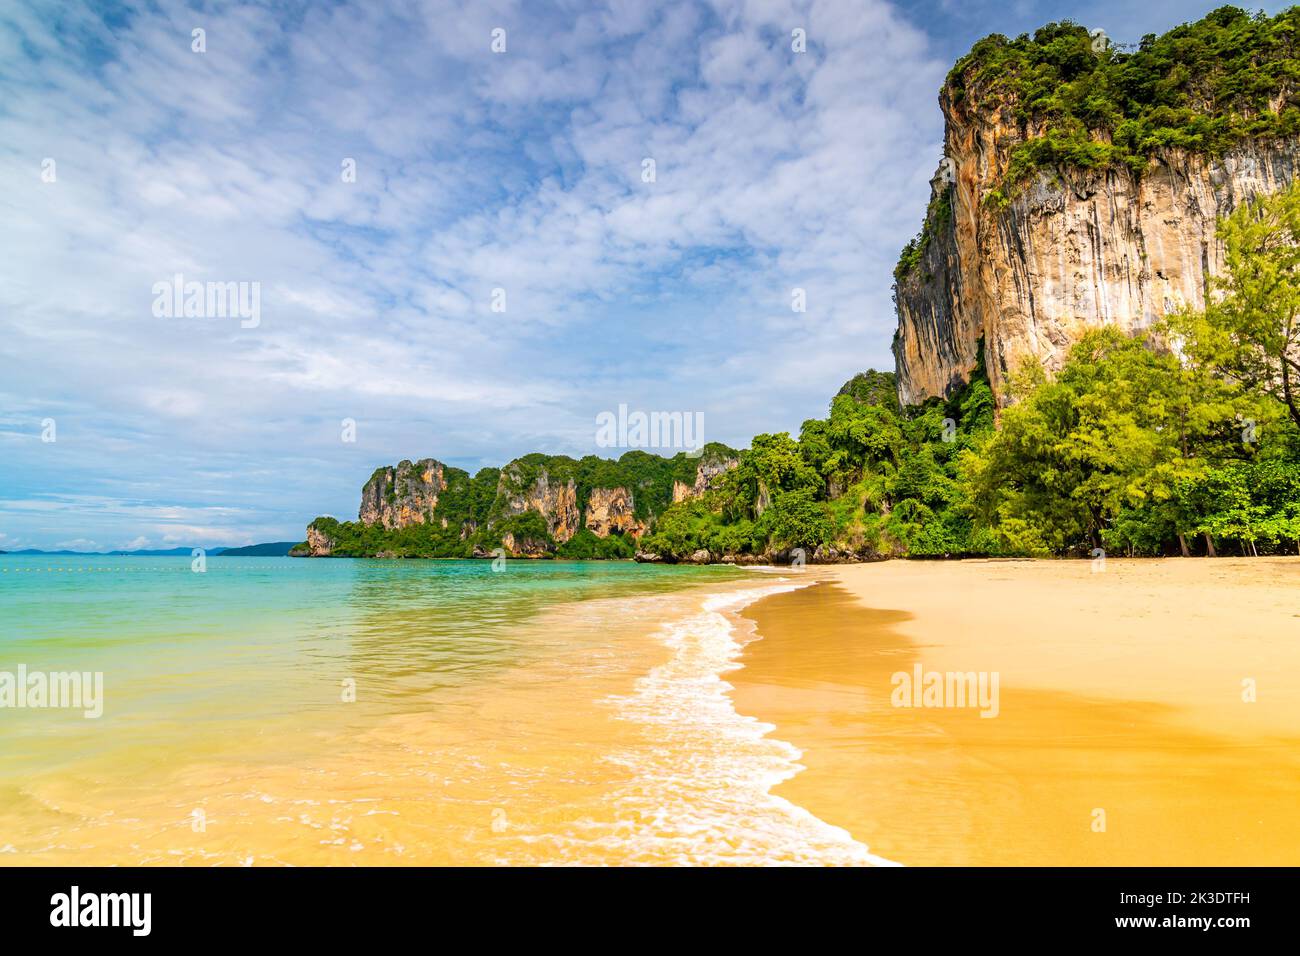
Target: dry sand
x=1123 y=734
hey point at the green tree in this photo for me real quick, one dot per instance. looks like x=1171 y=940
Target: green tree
x=1117 y=431
x=1249 y=332
x=774 y=464
x=796 y=519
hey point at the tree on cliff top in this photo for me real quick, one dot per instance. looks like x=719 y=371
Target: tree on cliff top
x=1201 y=86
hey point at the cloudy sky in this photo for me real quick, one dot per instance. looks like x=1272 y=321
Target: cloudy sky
x=475 y=171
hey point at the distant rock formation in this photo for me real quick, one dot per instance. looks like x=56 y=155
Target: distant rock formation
x=397 y=497
x=457 y=515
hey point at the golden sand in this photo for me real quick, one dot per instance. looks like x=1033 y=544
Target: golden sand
x=1125 y=733
x=616 y=742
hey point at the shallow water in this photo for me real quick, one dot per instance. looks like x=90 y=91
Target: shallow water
x=551 y=713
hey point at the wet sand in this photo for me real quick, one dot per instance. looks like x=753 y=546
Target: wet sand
x=614 y=742
x=1122 y=735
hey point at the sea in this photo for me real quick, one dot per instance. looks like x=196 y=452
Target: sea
x=278 y=711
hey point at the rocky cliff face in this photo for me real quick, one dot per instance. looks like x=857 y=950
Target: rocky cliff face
x=1069 y=250
x=319 y=544
x=557 y=502
x=402 y=496
x=706 y=474
x=408 y=494
x=612 y=510
x=587 y=508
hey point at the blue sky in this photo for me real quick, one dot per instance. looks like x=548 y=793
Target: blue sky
x=475 y=171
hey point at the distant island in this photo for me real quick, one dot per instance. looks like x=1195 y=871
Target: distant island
x=143 y=553
x=275 y=549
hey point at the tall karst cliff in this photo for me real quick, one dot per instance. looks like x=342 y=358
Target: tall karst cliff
x=1081 y=184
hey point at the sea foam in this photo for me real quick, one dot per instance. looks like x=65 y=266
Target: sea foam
x=701 y=784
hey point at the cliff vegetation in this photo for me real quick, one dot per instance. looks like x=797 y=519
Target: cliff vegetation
x=1202 y=86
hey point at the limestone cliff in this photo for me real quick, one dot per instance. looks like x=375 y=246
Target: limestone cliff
x=537 y=505
x=1026 y=258
x=318 y=544
x=611 y=510
x=710 y=468
x=555 y=501
x=407 y=494
x=397 y=497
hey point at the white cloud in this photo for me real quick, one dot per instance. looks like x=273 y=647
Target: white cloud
x=474 y=171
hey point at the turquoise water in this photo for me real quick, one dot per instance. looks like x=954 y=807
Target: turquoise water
x=196 y=663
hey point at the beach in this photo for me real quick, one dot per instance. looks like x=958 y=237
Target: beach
x=1148 y=712
x=417 y=713
x=271 y=713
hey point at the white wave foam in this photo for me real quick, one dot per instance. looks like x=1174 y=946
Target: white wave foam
x=702 y=785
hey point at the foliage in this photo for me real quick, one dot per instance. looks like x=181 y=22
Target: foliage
x=1132 y=449
x=1256 y=504
x=1121 y=425
x=1250 y=331
x=796 y=519
x=938 y=219
x=872 y=478
x=586 y=546
x=1202 y=86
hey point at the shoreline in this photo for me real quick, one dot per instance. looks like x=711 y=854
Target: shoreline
x=740 y=561
x=750 y=720
x=647 y=762
x=1122 y=726
x=737 y=761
